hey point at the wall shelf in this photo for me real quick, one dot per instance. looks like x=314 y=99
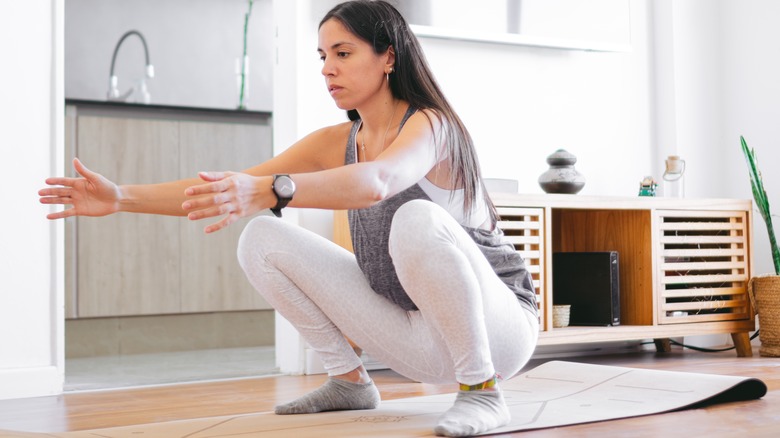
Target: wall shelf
x=517 y=39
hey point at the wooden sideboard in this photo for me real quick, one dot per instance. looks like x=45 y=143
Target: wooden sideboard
x=684 y=264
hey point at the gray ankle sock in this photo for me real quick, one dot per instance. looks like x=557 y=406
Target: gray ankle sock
x=474 y=412
x=334 y=395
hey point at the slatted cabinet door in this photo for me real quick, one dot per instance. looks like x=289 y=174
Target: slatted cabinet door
x=524 y=227
x=702 y=266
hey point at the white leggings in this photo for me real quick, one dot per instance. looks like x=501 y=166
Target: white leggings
x=469 y=325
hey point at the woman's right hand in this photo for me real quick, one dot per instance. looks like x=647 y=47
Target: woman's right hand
x=90 y=195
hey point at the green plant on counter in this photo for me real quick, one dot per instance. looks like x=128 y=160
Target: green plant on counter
x=762 y=202
x=241 y=103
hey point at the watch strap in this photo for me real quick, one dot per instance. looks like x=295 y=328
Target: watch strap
x=281 y=201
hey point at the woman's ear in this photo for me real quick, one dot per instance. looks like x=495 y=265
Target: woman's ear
x=390 y=64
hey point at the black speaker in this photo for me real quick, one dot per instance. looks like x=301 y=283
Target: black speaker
x=590 y=283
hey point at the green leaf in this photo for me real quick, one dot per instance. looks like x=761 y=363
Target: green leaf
x=761 y=199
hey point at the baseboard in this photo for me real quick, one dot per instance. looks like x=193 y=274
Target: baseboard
x=113 y=336
x=31 y=382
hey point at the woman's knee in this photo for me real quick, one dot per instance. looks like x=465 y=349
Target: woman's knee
x=252 y=238
x=417 y=222
x=414 y=217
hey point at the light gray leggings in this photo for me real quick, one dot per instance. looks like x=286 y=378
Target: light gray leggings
x=469 y=326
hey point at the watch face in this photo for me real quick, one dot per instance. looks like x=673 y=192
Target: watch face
x=284 y=186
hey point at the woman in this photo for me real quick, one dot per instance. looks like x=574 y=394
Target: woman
x=433 y=291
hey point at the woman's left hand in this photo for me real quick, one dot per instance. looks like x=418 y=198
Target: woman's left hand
x=233 y=194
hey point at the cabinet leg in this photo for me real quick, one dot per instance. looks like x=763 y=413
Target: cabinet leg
x=663 y=345
x=742 y=344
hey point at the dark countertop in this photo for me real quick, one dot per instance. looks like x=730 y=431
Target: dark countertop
x=165 y=111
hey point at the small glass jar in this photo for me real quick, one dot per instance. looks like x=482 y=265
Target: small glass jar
x=674 y=177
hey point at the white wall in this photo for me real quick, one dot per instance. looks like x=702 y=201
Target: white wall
x=693 y=60
x=750 y=96
x=523 y=103
x=31 y=122
x=193 y=45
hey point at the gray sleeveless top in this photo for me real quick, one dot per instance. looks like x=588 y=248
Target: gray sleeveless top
x=370 y=231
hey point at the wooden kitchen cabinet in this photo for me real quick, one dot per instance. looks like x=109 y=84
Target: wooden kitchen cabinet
x=134 y=264
x=216 y=281
x=128 y=264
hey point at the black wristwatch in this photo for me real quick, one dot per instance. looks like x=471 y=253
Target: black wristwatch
x=284 y=188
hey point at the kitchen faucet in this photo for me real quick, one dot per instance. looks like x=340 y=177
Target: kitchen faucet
x=140 y=86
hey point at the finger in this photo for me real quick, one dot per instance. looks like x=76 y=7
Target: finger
x=213 y=176
x=83 y=171
x=55 y=192
x=61 y=214
x=56 y=200
x=228 y=220
x=213 y=187
x=214 y=211
x=61 y=181
x=205 y=201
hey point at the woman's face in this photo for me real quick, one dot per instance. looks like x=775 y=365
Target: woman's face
x=353 y=72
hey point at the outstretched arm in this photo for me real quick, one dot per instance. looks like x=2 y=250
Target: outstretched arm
x=409 y=158
x=92 y=194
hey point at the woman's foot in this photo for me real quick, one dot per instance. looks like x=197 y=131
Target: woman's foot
x=474 y=412
x=335 y=395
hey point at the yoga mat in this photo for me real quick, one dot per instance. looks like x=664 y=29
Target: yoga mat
x=554 y=394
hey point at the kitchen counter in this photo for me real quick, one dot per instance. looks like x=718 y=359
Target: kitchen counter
x=171 y=112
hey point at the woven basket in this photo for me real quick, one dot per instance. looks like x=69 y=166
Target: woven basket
x=765 y=291
x=561 y=314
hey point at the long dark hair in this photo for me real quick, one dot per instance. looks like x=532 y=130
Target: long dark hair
x=381 y=25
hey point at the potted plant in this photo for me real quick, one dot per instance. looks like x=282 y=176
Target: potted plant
x=764 y=290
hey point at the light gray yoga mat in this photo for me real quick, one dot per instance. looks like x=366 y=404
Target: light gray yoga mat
x=554 y=394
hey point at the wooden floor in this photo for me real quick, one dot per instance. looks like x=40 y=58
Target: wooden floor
x=92 y=410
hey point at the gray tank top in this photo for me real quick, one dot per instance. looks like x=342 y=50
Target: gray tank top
x=370 y=231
